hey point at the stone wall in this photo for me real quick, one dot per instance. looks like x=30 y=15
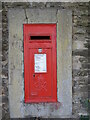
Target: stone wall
x=0 y=59
x=80 y=41
x=5 y=104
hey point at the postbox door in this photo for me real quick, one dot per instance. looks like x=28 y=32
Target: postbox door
x=40 y=74
x=40 y=63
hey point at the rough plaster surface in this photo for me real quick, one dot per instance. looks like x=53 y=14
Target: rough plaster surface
x=41 y=15
x=63 y=19
x=64 y=60
x=16 y=20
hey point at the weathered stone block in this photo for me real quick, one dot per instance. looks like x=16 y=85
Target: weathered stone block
x=76 y=62
x=41 y=15
x=83 y=53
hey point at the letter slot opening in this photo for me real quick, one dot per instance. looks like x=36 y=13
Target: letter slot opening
x=39 y=37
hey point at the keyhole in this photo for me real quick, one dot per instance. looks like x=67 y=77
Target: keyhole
x=33 y=75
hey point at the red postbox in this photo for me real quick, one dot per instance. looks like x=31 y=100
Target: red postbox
x=40 y=66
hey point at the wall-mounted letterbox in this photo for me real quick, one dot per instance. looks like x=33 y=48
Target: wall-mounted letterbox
x=40 y=63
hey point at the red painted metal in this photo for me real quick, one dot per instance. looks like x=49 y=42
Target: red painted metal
x=40 y=86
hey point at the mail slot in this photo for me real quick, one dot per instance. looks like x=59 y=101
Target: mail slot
x=40 y=67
